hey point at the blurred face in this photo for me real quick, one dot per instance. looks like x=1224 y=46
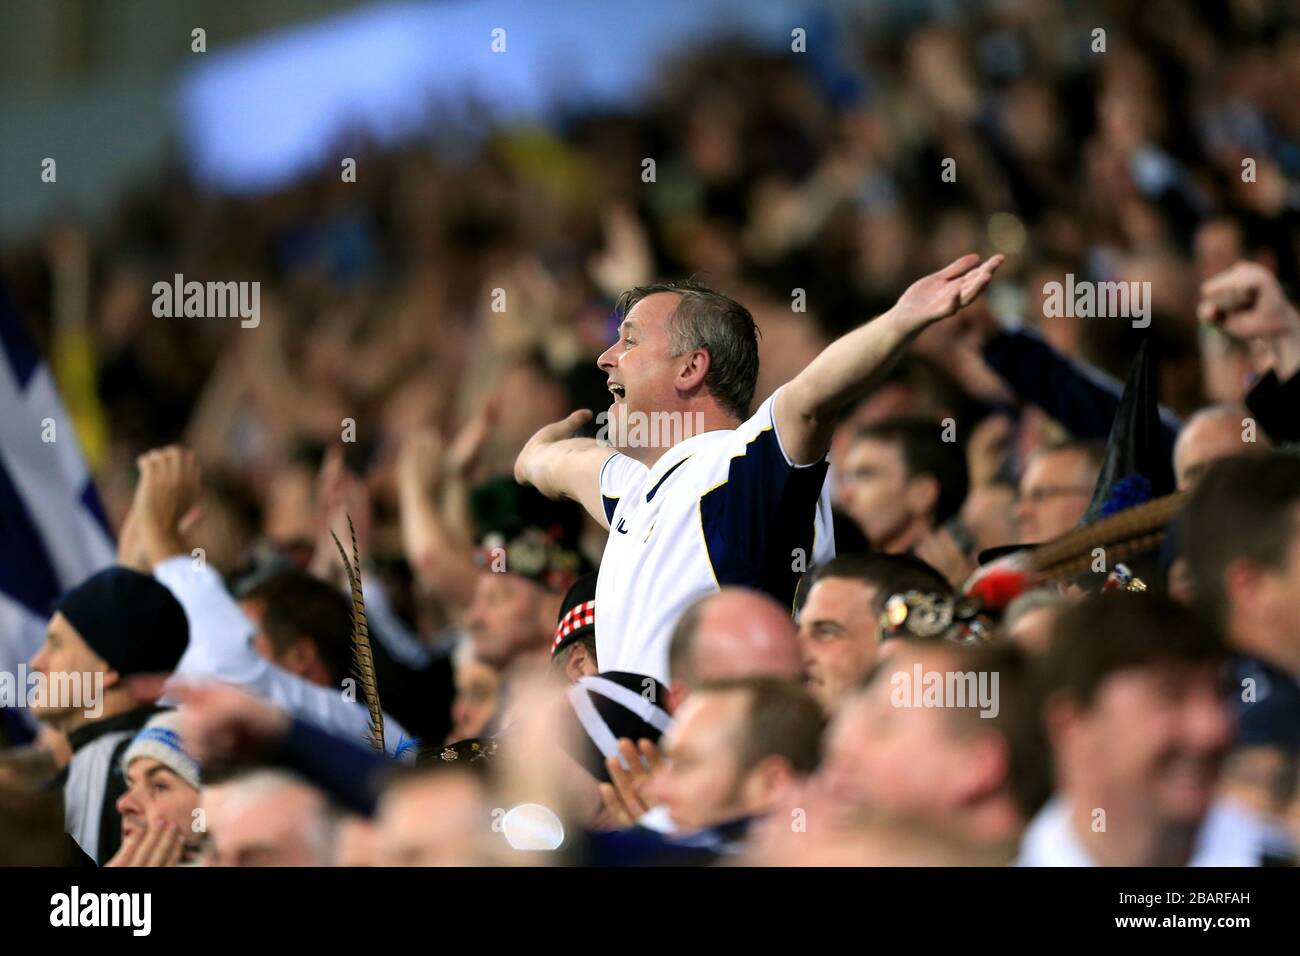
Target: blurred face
x=1153 y=738
x=290 y=512
x=701 y=782
x=1033 y=629
x=299 y=658
x=1202 y=443
x=641 y=367
x=742 y=635
x=1272 y=602
x=989 y=515
x=515 y=422
x=155 y=795
x=438 y=820
x=904 y=760
x=476 y=699
x=283 y=826
x=503 y=618
x=877 y=495
x=1054 y=493
x=354 y=843
x=838 y=636
x=63 y=659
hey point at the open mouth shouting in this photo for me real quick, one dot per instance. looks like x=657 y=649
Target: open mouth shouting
x=618 y=391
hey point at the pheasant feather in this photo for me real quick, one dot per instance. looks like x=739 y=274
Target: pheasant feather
x=363 y=660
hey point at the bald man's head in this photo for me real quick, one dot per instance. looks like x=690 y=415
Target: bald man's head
x=1212 y=434
x=731 y=634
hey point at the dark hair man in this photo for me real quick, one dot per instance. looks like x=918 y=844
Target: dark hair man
x=1138 y=728
x=839 y=618
x=723 y=497
x=968 y=762
x=900 y=481
x=1241 y=538
x=735 y=750
x=303 y=624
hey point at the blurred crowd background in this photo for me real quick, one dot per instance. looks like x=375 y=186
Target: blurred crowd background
x=808 y=185
x=772 y=175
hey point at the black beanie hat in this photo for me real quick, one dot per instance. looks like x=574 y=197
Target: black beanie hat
x=129 y=619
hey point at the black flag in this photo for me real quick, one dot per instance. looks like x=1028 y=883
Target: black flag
x=1136 y=467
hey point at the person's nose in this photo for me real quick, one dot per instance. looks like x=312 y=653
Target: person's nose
x=607 y=362
x=127 y=804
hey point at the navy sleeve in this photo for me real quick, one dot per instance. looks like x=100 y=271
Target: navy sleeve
x=756 y=520
x=1274 y=404
x=347 y=771
x=1078 y=396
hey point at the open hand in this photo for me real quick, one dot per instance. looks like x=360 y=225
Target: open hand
x=626 y=799
x=220 y=722
x=942 y=293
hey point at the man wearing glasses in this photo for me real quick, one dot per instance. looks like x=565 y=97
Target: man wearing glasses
x=1055 y=489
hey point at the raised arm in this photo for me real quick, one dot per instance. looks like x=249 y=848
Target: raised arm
x=806 y=407
x=561 y=466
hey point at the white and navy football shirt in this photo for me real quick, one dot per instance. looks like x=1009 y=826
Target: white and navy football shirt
x=721 y=508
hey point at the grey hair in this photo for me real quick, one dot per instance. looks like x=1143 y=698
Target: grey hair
x=708 y=320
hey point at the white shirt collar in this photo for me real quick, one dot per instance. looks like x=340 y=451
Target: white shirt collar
x=680 y=452
x=1229 y=836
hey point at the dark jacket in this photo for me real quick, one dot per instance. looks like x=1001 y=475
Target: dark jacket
x=92 y=782
x=1276 y=406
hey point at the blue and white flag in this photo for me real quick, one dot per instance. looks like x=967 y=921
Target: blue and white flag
x=53 y=533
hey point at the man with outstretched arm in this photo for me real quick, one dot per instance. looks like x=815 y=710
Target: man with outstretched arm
x=697 y=492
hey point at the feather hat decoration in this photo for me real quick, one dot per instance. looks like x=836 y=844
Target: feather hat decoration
x=1127 y=533
x=363 y=660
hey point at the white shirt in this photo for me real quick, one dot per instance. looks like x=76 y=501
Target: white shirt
x=721 y=508
x=221 y=649
x=1229 y=836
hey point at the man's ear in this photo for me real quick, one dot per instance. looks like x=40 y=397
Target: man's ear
x=300 y=657
x=1242 y=583
x=693 y=370
x=579 y=663
x=769 y=779
x=1061 y=714
x=922 y=494
x=983 y=766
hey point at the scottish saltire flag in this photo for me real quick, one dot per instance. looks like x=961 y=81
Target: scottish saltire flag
x=53 y=532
